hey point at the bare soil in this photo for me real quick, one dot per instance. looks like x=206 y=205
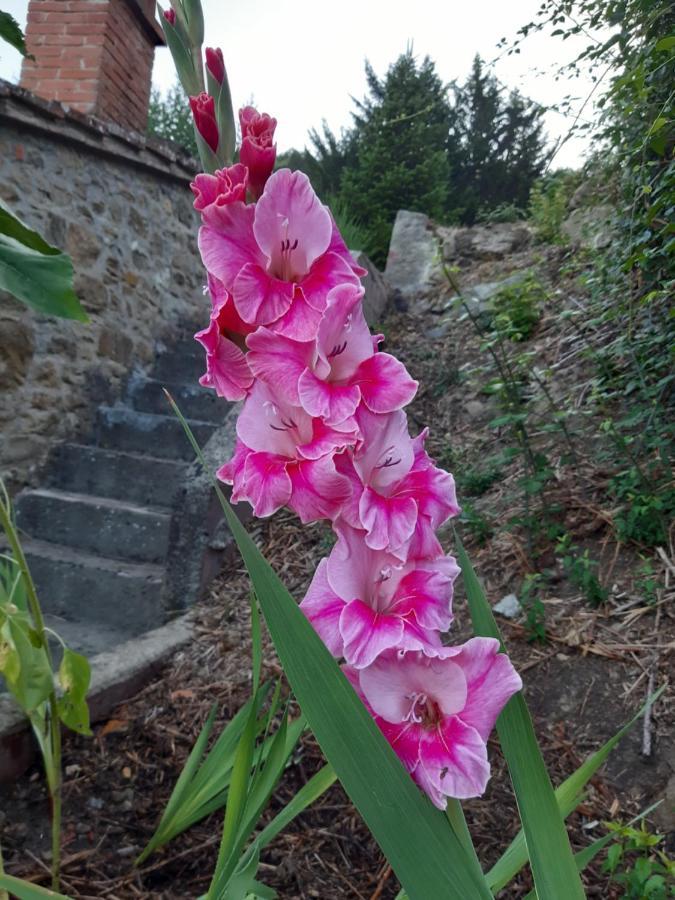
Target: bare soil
x=592 y=674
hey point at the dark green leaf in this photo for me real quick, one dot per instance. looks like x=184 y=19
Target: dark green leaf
x=10 y=32
x=34 y=272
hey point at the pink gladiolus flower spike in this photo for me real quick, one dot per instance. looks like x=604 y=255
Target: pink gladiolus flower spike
x=437 y=713
x=363 y=602
x=285 y=458
x=280 y=258
x=330 y=377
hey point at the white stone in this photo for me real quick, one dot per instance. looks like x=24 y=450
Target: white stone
x=509 y=607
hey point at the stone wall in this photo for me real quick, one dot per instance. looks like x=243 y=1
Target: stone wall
x=121 y=206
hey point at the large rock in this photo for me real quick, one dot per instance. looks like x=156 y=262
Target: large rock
x=375 y=297
x=413 y=255
x=485 y=241
x=589 y=226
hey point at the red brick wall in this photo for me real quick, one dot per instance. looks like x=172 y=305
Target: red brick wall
x=93 y=55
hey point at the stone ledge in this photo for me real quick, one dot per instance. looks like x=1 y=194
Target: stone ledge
x=116 y=676
x=62 y=123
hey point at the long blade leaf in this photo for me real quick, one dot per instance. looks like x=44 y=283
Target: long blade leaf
x=551 y=858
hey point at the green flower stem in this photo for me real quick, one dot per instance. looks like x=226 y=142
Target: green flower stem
x=51 y=752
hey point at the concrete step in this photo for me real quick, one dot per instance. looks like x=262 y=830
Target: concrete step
x=84 y=469
x=183 y=365
x=123 y=428
x=88 y=638
x=194 y=401
x=83 y=588
x=101 y=525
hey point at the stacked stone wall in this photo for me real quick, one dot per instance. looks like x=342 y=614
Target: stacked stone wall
x=122 y=208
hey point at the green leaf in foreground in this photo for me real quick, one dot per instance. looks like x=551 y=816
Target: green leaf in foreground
x=553 y=868
x=424 y=852
x=11 y=32
x=24 y=890
x=35 y=272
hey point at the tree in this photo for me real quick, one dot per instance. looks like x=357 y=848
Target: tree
x=496 y=147
x=170 y=118
x=396 y=151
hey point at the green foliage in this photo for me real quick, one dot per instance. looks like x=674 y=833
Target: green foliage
x=12 y=34
x=503 y=212
x=354 y=234
x=496 y=147
x=635 y=863
x=627 y=322
x=477 y=524
x=170 y=119
x=35 y=272
x=476 y=481
x=517 y=308
x=535 y=612
x=549 y=203
x=581 y=571
x=645 y=508
x=400 y=159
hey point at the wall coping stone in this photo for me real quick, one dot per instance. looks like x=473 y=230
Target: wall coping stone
x=166 y=159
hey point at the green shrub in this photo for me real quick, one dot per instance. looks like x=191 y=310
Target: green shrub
x=517 y=308
x=549 y=202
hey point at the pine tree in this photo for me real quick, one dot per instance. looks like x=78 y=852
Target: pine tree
x=398 y=145
x=496 y=146
x=170 y=118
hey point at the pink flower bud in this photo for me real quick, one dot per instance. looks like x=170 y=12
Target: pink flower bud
x=215 y=63
x=258 y=151
x=204 y=113
x=170 y=16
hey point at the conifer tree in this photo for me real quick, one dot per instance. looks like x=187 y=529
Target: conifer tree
x=496 y=146
x=399 y=147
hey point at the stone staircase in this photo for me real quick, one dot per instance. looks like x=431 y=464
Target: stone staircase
x=98 y=530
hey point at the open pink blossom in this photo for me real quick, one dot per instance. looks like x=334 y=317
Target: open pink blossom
x=285 y=458
x=331 y=376
x=437 y=713
x=258 y=150
x=213 y=192
x=399 y=497
x=227 y=370
x=280 y=257
x=363 y=602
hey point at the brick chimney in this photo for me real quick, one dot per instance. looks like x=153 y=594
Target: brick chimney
x=94 y=56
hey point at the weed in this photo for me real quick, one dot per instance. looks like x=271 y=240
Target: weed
x=478 y=525
x=535 y=612
x=517 y=308
x=636 y=864
x=581 y=571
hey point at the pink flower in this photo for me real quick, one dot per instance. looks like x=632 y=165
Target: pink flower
x=227 y=370
x=398 y=496
x=258 y=150
x=214 y=192
x=279 y=258
x=215 y=63
x=285 y=458
x=329 y=377
x=204 y=113
x=170 y=16
x=437 y=713
x=363 y=602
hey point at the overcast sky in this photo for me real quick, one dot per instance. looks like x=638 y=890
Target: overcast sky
x=301 y=59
